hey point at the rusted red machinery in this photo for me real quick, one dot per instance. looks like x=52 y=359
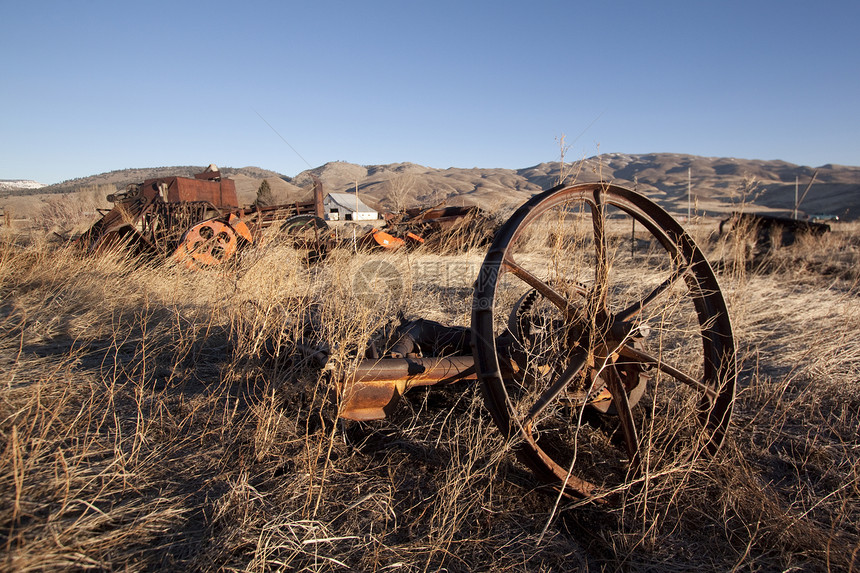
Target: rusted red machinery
x=197 y=221
x=153 y=215
x=602 y=367
x=444 y=227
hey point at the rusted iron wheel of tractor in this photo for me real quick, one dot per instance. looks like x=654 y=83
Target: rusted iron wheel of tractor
x=602 y=340
x=207 y=244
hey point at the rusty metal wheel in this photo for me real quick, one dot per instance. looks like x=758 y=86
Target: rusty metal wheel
x=207 y=244
x=602 y=340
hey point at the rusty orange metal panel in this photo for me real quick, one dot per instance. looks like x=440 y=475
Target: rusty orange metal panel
x=385 y=240
x=373 y=389
x=219 y=193
x=228 y=193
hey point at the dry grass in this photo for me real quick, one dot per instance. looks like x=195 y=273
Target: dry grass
x=73 y=213
x=153 y=418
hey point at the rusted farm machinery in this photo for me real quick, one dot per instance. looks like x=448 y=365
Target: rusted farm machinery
x=196 y=221
x=600 y=366
x=444 y=227
x=766 y=232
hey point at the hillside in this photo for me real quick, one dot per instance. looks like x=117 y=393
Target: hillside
x=718 y=185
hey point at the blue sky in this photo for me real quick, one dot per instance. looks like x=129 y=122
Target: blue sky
x=91 y=86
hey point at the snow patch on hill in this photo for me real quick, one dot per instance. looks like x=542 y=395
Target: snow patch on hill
x=18 y=184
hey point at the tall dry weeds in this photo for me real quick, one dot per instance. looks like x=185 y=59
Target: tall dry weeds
x=153 y=418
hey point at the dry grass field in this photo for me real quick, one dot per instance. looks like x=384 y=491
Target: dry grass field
x=153 y=418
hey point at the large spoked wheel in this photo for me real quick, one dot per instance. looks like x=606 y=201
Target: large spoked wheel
x=602 y=340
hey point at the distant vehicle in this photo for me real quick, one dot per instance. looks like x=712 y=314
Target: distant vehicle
x=824 y=217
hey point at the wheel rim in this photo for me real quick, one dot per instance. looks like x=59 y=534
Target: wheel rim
x=309 y=234
x=207 y=244
x=602 y=340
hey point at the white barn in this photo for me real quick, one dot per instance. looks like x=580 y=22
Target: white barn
x=347 y=207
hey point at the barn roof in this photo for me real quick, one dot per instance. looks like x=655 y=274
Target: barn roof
x=351 y=202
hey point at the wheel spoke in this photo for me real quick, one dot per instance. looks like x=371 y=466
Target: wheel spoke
x=550 y=293
x=601 y=266
x=625 y=416
x=637 y=307
x=547 y=396
x=642 y=356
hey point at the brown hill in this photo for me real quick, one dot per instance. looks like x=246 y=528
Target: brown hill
x=719 y=185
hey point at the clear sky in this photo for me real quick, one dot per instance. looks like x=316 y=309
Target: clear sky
x=92 y=86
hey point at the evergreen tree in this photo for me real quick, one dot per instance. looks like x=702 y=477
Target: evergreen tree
x=265 y=196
